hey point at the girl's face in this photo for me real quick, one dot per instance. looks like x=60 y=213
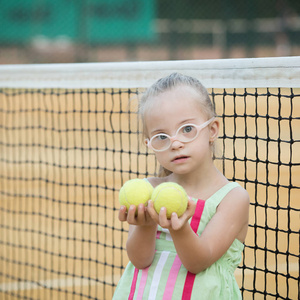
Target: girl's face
x=171 y=110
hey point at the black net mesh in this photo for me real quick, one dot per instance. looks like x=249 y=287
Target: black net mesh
x=65 y=154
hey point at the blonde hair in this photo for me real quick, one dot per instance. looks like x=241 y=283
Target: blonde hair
x=168 y=83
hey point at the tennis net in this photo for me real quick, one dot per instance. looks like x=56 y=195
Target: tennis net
x=70 y=137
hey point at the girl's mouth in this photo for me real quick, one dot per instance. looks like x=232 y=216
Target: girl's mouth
x=180 y=159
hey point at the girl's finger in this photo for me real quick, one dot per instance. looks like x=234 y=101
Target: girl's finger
x=131 y=214
x=175 y=221
x=141 y=213
x=123 y=213
x=162 y=217
x=151 y=210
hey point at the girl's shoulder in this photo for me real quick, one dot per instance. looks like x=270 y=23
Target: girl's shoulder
x=234 y=194
x=235 y=208
x=239 y=192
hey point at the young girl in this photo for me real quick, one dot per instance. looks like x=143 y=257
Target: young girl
x=194 y=256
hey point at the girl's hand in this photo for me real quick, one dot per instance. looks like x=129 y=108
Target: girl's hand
x=142 y=217
x=174 y=223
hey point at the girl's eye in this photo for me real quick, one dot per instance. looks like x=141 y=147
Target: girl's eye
x=161 y=137
x=187 y=129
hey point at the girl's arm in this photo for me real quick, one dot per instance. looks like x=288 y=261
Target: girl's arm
x=230 y=222
x=140 y=244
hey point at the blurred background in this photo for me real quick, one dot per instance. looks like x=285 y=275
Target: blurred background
x=64 y=31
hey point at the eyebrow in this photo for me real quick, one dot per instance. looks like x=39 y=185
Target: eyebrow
x=156 y=131
x=187 y=121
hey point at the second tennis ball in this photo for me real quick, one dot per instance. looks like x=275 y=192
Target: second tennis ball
x=172 y=196
x=135 y=192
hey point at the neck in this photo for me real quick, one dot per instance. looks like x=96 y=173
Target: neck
x=200 y=184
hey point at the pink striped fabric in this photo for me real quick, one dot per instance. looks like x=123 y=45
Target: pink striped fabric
x=188 y=286
x=133 y=284
x=172 y=278
x=190 y=277
x=158 y=234
x=142 y=283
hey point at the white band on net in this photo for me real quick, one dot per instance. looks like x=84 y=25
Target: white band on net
x=213 y=73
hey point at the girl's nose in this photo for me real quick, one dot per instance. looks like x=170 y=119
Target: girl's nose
x=176 y=144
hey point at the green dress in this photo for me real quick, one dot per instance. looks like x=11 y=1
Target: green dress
x=166 y=278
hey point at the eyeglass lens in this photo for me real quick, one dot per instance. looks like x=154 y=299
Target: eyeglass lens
x=184 y=134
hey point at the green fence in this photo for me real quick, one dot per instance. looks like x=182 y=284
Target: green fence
x=90 y=21
x=44 y=31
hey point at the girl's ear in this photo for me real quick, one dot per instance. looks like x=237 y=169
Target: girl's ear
x=214 y=130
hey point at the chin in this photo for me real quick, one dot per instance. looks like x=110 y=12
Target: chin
x=181 y=171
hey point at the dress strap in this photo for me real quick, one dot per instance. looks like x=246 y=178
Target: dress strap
x=219 y=195
x=197 y=215
x=190 y=277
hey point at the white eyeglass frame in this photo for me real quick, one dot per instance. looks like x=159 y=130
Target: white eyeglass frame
x=173 y=138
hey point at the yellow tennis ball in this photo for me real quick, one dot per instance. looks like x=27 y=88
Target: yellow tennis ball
x=172 y=196
x=134 y=192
